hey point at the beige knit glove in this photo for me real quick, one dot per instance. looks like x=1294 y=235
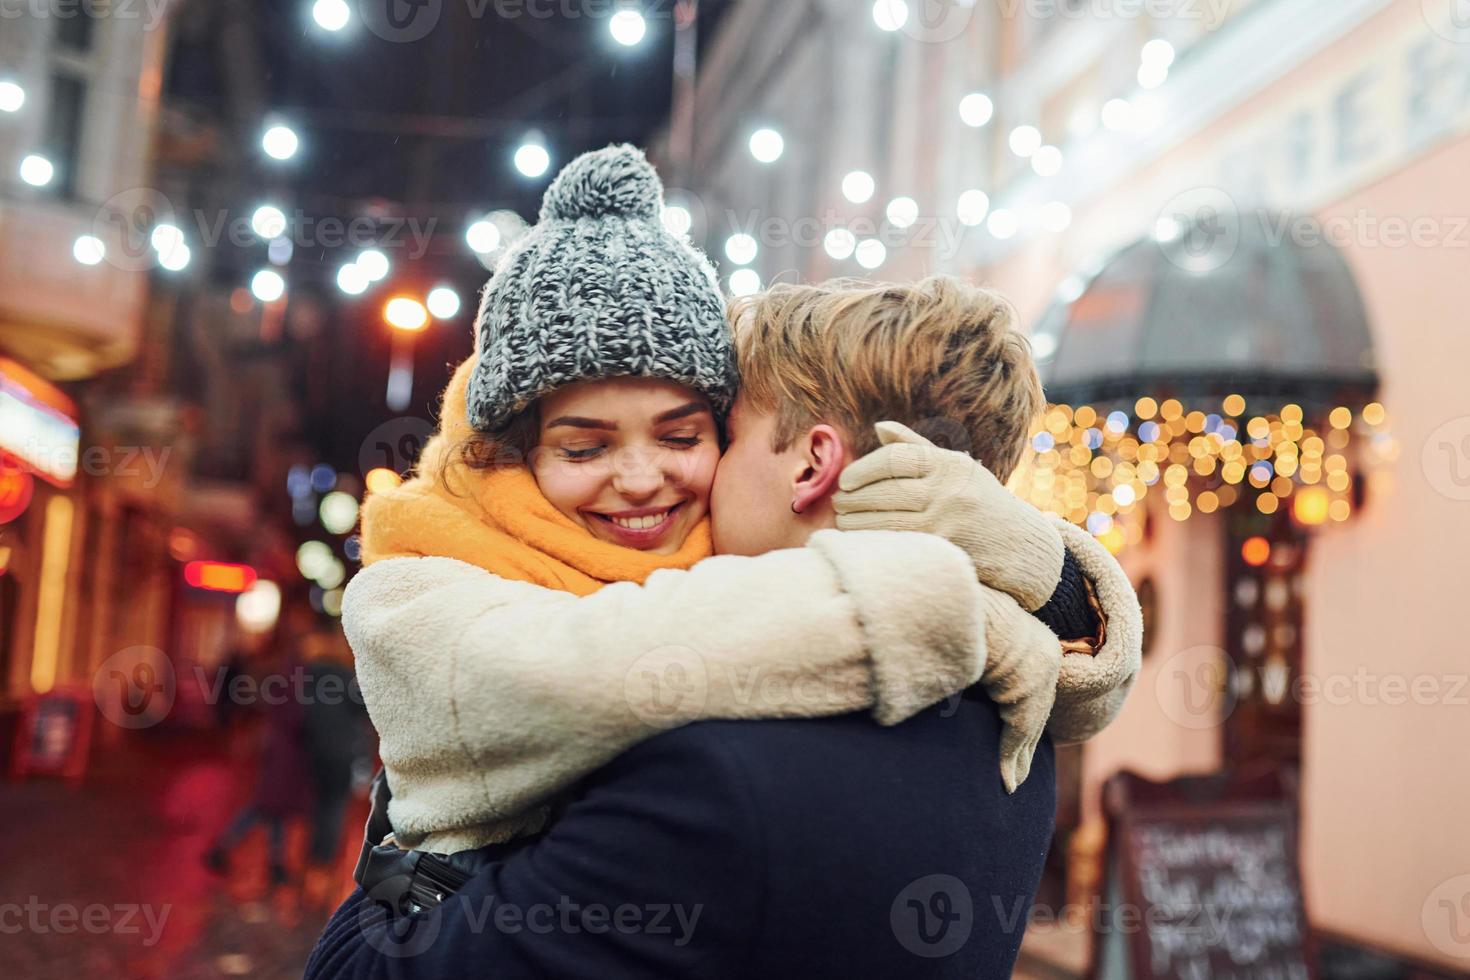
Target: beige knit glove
x=1022 y=664
x=910 y=484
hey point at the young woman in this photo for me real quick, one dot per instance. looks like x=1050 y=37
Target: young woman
x=573 y=468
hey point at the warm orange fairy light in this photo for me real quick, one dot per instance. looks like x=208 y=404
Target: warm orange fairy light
x=1112 y=539
x=182 y=544
x=217 y=576
x=1198 y=462
x=1310 y=505
x=381 y=480
x=1255 y=551
x=403 y=313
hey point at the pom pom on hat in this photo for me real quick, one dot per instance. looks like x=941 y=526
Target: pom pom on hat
x=599 y=289
x=615 y=181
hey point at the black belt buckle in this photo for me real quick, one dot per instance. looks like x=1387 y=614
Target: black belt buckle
x=409 y=882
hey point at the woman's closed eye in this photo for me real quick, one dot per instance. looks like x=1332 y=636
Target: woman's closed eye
x=580 y=453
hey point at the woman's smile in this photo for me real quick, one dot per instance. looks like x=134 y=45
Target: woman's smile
x=641 y=527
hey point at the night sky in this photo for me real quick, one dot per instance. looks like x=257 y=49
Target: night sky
x=423 y=129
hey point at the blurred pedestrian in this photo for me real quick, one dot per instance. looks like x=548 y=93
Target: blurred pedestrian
x=333 y=719
x=283 y=787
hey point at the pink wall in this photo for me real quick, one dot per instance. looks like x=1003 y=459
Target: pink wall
x=1386 y=786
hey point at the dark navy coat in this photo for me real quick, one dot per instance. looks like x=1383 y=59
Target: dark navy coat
x=803 y=848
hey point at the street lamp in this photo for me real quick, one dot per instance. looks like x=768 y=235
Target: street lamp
x=407 y=317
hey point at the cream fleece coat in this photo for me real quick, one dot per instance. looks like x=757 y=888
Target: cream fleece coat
x=491 y=696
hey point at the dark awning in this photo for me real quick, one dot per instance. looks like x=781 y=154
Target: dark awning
x=1200 y=316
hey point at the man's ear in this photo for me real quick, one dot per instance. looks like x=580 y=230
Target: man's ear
x=825 y=455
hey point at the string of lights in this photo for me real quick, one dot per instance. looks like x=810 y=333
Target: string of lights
x=1097 y=467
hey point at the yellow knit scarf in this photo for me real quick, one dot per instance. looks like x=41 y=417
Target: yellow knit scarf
x=498 y=519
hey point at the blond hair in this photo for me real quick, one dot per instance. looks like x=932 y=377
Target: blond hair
x=939 y=355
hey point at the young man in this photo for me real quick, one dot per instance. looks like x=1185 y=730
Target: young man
x=832 y=846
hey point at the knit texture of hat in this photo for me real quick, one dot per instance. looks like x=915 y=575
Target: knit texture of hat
x=599 y=289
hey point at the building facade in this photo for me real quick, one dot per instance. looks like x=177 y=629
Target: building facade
x=80 y=101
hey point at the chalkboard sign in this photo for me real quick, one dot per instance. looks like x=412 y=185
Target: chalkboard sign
x=1203 y=881
x=55 y=734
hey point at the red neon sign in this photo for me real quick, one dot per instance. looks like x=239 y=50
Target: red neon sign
x=218 y=576
x=16 y=487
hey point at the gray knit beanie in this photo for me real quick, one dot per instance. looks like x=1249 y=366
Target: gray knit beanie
x=599 y=289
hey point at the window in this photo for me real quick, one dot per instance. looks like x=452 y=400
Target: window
x=74 y=27
x=64 y=130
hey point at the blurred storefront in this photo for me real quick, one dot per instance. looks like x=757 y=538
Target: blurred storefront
x=80 y=104
x=1240 y=233
x=151 y=407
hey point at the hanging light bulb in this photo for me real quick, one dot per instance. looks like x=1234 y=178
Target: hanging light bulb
x=331 y=15
x=280 y=142
x=532 y=160
x=858 y=186
x=627 y=27
x=976 y=109
x=268 y=286
x=767 y=145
